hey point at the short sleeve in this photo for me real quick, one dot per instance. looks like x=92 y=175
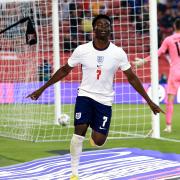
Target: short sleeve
x=124 y=63
x=74 y=58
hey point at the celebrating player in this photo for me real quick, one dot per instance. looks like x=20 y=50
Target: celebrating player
x=170 y=45
x=100 y=59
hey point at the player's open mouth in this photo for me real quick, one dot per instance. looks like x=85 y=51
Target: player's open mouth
x=103 y=32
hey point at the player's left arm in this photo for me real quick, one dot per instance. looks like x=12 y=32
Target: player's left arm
x=138 y=62
x=135 y=82
x=164 y=47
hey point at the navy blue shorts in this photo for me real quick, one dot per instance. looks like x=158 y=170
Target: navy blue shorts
x=93 y=113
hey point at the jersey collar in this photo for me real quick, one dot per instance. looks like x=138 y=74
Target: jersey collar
x=99 y=48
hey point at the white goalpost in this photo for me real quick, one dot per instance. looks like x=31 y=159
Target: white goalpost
x=154 y=65
x=60 y=27
x=56 y=58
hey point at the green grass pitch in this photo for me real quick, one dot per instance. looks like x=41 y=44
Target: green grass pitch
x=17 y=151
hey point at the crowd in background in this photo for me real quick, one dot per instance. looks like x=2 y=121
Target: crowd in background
x=76 y=19
x=167 y=11
x=76 y=15
x=79 y=14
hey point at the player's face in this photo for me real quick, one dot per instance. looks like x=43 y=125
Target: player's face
x=102 y=29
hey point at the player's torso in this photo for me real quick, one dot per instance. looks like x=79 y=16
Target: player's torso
x=99 y=67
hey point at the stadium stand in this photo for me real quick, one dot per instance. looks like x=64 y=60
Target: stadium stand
x=121 y=23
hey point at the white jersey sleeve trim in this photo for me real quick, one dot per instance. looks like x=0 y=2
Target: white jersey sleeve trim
x=124 y=63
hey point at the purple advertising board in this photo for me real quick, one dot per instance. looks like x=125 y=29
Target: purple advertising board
x=124 y=93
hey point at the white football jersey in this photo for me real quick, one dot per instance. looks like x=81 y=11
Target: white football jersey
x=98 y=70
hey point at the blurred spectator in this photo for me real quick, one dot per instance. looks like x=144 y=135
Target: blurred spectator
x=43 y=12
x=44 y=71
x=64 y=9
x=170 y=4
x=69 y=44
x=73 y=19
x=135 y=5
x=85 y=5
x=163 y=79
x=99 y=8
x=139 y=12
x=177 y=10
x=103 y=8
x=161 y=9
x=175 y=4
x=167 y=20
x=165 y=23
x=162 y=6
x=86 y=25
x=142 y=20
x=145 y=18
x=160 y=37
x=162 y=2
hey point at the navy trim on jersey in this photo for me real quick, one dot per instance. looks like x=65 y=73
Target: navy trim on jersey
x=99 y=48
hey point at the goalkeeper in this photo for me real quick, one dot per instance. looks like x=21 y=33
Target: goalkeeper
x=100 y=59
x=171 y=44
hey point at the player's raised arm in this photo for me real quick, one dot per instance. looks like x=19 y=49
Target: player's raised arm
x=59 y=74
x=138 y=62
x=135 y=82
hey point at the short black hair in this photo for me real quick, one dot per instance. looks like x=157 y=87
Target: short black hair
x=177 y=23
x=101 y=16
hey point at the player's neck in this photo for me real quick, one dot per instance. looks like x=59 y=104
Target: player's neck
x=100 y=44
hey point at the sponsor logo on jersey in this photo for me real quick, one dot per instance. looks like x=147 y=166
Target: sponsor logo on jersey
x=78 y=115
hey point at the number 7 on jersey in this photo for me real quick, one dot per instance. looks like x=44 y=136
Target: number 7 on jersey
x=98 y=72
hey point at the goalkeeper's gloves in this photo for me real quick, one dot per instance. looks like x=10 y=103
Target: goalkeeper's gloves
x=138 y=62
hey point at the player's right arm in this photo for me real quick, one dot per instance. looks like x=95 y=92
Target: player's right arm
x=59 y=74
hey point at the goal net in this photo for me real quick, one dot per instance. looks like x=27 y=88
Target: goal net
x=24 y=67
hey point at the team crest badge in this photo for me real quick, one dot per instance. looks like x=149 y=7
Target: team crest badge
x=78 y=115
x=100 y=59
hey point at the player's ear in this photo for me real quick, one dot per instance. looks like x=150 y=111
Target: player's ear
x=94 y=27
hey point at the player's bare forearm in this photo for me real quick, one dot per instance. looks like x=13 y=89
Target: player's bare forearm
x=135 y=82
x=59 y=74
